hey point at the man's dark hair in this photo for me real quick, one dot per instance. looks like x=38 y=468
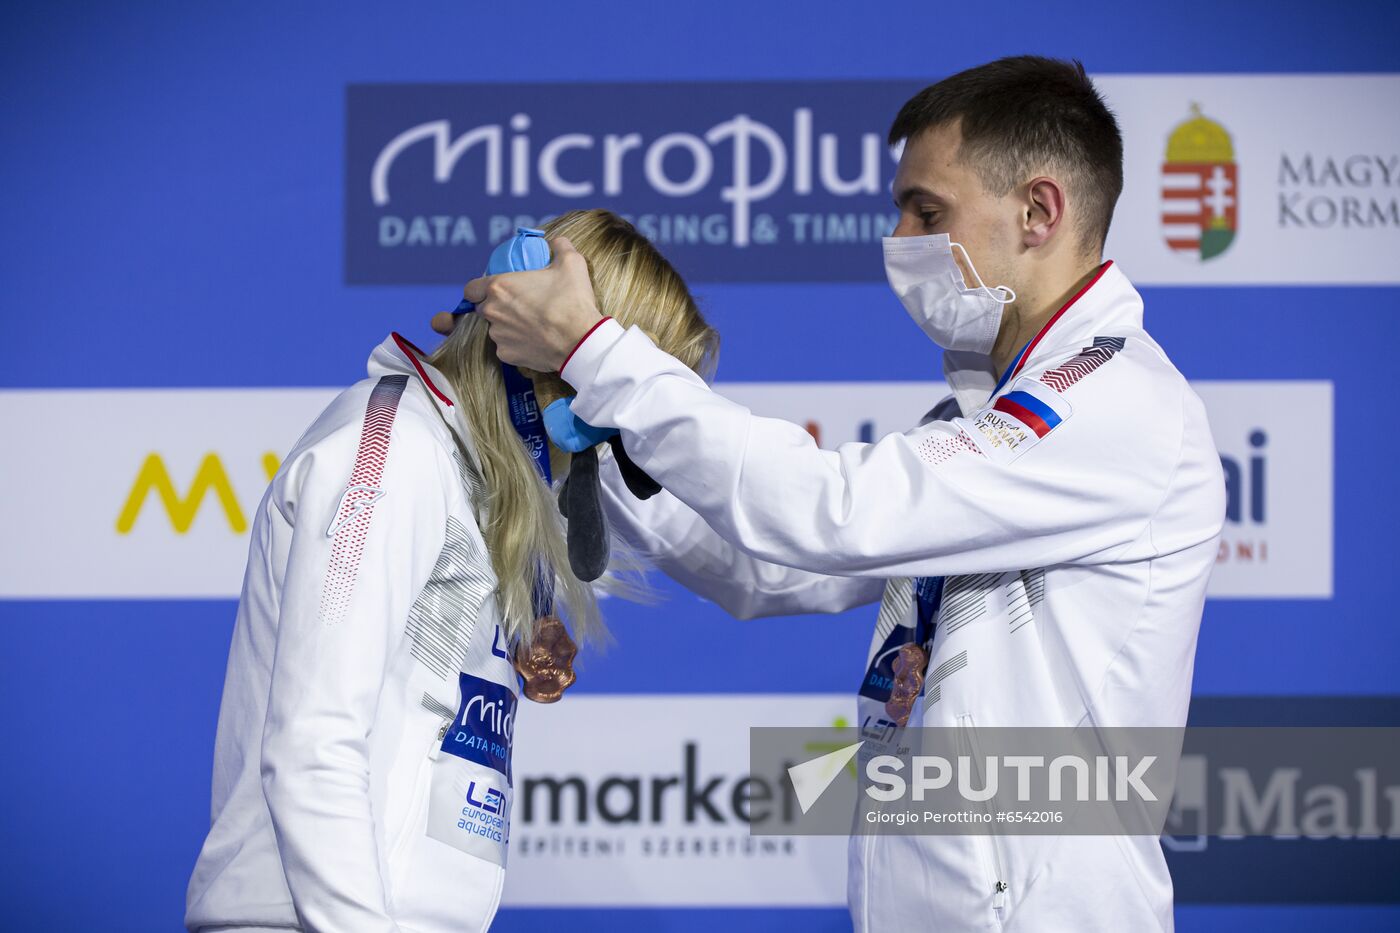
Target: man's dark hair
x=1024 y=115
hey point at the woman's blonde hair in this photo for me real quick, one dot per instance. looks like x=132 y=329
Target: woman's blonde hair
x=524 y=533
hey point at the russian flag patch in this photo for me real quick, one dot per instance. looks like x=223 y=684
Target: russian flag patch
x=1028 y=410
x=1019 y=420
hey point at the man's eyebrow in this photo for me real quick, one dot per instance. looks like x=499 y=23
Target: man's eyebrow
x=904 y=194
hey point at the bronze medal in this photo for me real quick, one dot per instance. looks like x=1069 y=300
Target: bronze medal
x=909 y=667
x=548 y=665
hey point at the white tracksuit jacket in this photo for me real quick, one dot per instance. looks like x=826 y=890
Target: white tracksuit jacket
x=362 y=765
x=1074 y=513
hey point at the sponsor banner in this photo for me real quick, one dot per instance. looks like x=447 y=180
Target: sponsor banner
x=160 y=485
x=1261 y=179
x=663 y=821
x=734 y=181
x=1229 y=179
x=140 y=492
x=1275 y=442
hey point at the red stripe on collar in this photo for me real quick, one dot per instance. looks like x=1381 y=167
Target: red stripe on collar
x=1030 y=347
x=412 y=352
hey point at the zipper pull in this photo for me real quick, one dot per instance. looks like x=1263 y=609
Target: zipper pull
x=999 y=895
x=442 y=733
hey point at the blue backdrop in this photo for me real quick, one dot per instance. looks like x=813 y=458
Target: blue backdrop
x=174 y=180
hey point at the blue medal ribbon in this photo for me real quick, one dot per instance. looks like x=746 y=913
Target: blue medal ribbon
x=525 y=416
x=527 y=250
x=928 y=594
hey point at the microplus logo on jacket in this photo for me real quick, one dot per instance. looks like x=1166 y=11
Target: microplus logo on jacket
x=485 y=725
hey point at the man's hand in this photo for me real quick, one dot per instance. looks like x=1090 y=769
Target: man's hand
x=537 y=318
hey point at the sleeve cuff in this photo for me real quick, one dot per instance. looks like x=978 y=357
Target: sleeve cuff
x=581 y=365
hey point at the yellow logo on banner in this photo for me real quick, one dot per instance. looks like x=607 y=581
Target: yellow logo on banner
x=182 y=510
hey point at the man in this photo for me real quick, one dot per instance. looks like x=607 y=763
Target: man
x=1045 y=535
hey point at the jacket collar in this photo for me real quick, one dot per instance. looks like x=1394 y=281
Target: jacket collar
x=397 y=355
x=1108 y=301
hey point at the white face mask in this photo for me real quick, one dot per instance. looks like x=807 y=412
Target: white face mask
x=924 y=275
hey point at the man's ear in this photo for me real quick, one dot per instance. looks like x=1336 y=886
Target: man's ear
x=1045 y=210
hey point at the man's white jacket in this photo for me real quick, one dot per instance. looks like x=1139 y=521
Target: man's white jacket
x=1073 y=512
x=362 y=765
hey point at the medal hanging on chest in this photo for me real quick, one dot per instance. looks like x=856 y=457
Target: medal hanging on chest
x=911 y=660
x=894 y=681
x=909 y=665
x=547 y=666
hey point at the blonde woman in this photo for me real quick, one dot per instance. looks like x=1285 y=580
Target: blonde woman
x=407 y=560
